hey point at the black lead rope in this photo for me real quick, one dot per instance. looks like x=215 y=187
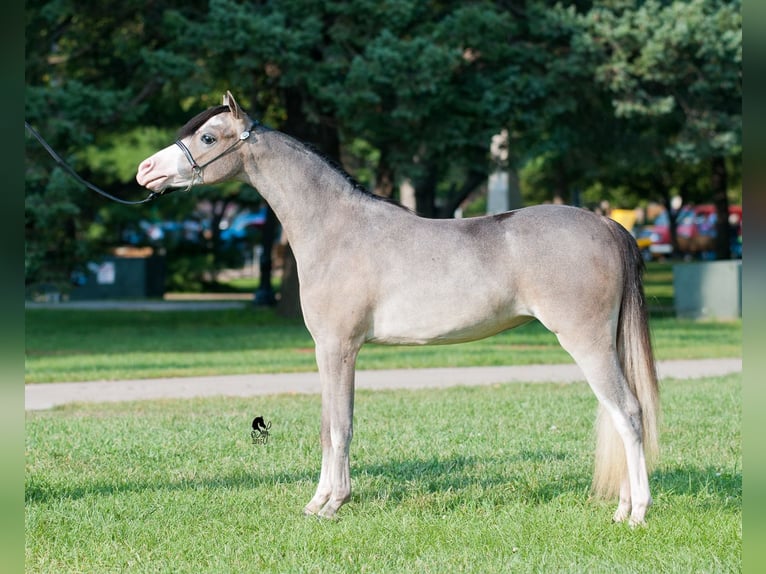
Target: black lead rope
x=73 y=174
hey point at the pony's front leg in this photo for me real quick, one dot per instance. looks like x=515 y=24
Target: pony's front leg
x=336 y=371
x=324 y=489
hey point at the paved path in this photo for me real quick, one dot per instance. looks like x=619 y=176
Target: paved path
x=146 y=305
x=45 y=396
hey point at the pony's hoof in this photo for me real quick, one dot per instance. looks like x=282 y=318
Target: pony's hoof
x=329 y=510
x=638 y=514
x=328 y=514
x=313 y=508
x=620 y=514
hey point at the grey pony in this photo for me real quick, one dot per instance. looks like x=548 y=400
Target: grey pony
x=371 y=271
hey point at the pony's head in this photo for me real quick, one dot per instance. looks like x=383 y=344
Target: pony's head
x=203 y=152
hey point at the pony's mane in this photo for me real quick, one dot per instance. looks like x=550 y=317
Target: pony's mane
x=339 y=169
x=199 y=120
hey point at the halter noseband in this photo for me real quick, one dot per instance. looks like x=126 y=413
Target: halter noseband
x=197 y=168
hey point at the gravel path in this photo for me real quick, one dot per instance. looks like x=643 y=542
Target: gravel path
x=46 y=396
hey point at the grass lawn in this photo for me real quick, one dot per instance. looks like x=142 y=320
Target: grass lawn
x=73 y=345
x=490 y=479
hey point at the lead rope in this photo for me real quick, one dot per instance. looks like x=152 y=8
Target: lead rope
x=74 y=175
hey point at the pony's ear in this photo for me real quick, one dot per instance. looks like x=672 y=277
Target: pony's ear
x=228 y=100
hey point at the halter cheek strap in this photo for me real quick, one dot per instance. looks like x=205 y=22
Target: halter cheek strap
x=197 y=168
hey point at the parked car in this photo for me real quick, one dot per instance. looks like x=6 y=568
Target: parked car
x=241 y=225
x=652 y=244
x=695 y=232
x=658 y=237
x=696 y=229
x=627 y=218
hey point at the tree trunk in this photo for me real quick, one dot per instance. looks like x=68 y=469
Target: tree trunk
x=384 y=179
x=218 y=209
x=264 y=294
x=719 y=184
x=290 y=301
x=459 y=195
x=425 y=194
x=322 y=136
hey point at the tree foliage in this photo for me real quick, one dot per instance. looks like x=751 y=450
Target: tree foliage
x=625 y=98
x=674 y=70
x=679 y=66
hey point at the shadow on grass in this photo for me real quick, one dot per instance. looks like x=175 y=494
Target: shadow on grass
x=401 y=479
x=457 y=478
x=38 y=489
x=706 y=485
x=507 y=477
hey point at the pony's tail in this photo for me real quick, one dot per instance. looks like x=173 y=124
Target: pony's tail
x=634 y=349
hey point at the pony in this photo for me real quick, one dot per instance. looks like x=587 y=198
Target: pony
x=373 y=272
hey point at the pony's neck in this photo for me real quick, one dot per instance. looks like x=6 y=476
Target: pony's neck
x=306 y=193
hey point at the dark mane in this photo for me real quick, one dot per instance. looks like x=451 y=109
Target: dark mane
x=197 y=121
x=358 y=187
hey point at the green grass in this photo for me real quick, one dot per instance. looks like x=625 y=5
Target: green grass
x=73 y=345
x=658 y=287
x=491 y=479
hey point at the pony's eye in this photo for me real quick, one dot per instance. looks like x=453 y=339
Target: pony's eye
x=207 y=139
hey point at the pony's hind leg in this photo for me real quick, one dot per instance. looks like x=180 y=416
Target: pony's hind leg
x=620 y=460
x=623 y=508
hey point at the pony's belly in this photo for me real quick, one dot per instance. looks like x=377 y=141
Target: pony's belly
x=440 y=328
